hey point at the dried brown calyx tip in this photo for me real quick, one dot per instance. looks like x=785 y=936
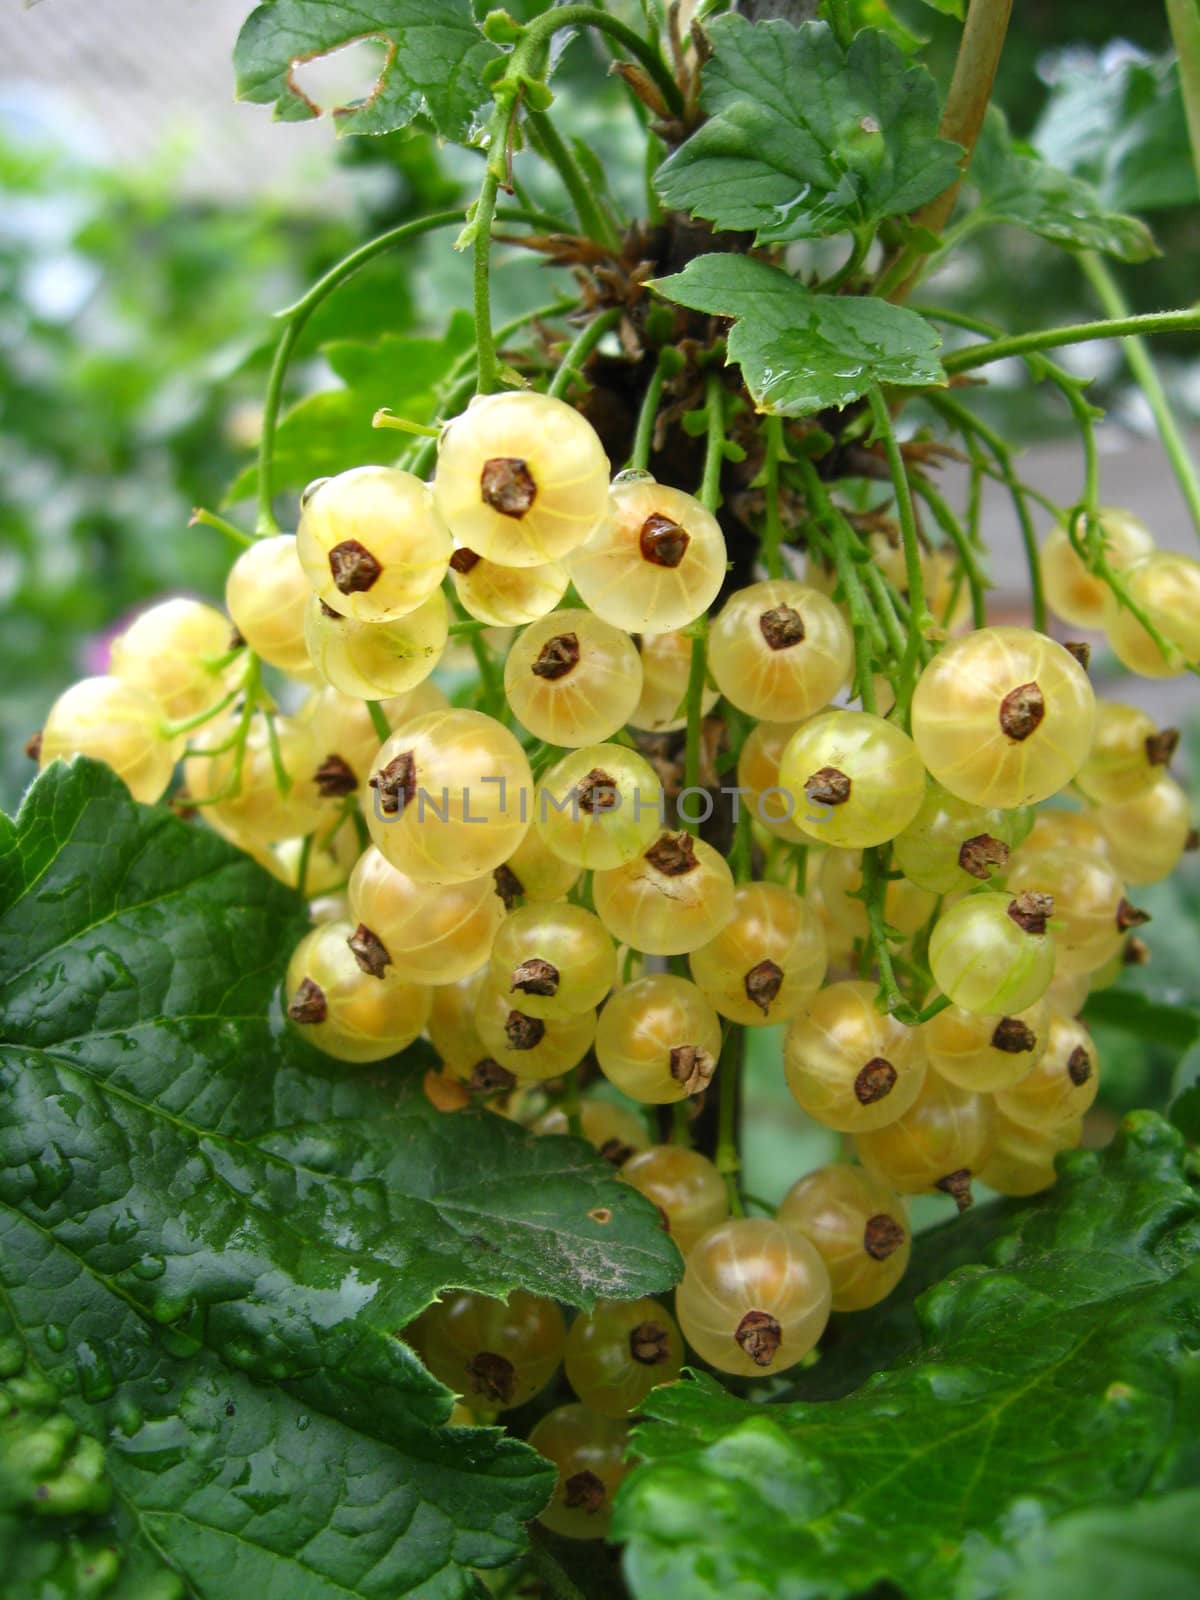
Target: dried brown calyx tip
x=1031 y=910
x=463 y=560
x=1081 y=650
x=782 y=627
x=882 y=1236
x=828 y=787
x=353 y=566
x=649 y=1343
x=1192 y=842
x=33 y=746
x=1130 y=916
x=615 y=1151
x=487 y=1076
x=692 y=1067
x=395 y=784
x=492 y=1376
x=236 y=640
x=762 y=984
x=1136 y=953
x=522 y=1032
x=507 y=486
x=982 y=855
x=369 y=951
x=1013 y=1036
x=1161 y=746
x=508 y=886
x=535 y=976
x=584 y=1491
x=1022 y=710
x=308 y=1003
x=557 y=657
x=1079 y=1066
x=875 y=1081
x=760 y=1336
x=328 y=611
x=673 y=855
x=662 y=541
x=597 y=792
x=958 y=1185
x=334 y=778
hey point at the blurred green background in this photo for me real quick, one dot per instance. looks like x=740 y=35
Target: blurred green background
x=148 y=229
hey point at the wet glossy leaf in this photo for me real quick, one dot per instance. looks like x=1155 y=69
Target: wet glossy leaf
x=193 y=1202
x=1039 y=1362
x=800 y=352
x=1015 y=185
x=804 y=140
x=430 y=65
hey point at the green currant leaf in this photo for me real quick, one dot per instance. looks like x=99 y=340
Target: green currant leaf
x=1015 y=185
x=948 y=8
x=1185 y=1113
x=1149 y=1020
x=331 y=431
x=195 y=1206
x=804 y=140
x=1038 y=1362
x=801 y=352
x=433 y=56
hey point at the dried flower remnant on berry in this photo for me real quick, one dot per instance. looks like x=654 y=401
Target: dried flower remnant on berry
x=649 y=1344
x=328 y=611
x=760 y=1337
x=308 y=1003
x=828 y=787
x=557 y=657
x=782 y=627
x=1161 y=747
x=663 y=541
x=1136 y=954
x=1022 y=710
x=584 y=1491
x=983 y=855
x=692 y=1067
x=615 y=1151
x=492 y=1376
x=354 y=568
x=762 y=985
x=882 y=1236
x=1130 y=916
x=958 y=1186
x=508 y=886
x=1013 y=1036
x=597 y=792
x=507 y=486
x=369 y=951
x=524 y=1033
x=464 y=561
x=673 y=855
x=1079 y=1066
x=875 y=1081
x=1080 y=650
x=488 y=1076
x=335 y=778
x=535 y=976
x=1031 y=910
x=33 y=746
x=396 y=784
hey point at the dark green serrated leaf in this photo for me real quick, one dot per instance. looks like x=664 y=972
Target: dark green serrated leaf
x=175 y=1166
x=434 y=55
x=804 y=140
x=1015 y=185
x=1053 y=1370
x=1185 y=1113
x=331 y=431
x=801 y=352
x=1148 y=1020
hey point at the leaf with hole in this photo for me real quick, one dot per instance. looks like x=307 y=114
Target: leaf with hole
x=800 y=352
x=804 y=140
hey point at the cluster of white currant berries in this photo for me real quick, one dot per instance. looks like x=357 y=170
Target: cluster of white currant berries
x=525 y=923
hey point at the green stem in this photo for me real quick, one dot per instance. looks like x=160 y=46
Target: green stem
x=874 y=887
x=773 y=534
x=581 y=347
x=729 y=1073
x=302 y=865
x=643 y=439
x=379 y=721
x=860 y=245
x=952 y=528
x=539 y=32
x=1019 y=344
x=709 y=496
x=837 y=13
x=1141 y=365
x=211 y=520
x=487 y=369
x=554 y=1581
x=550 y=144
x=919 y=618
x=709 y=493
